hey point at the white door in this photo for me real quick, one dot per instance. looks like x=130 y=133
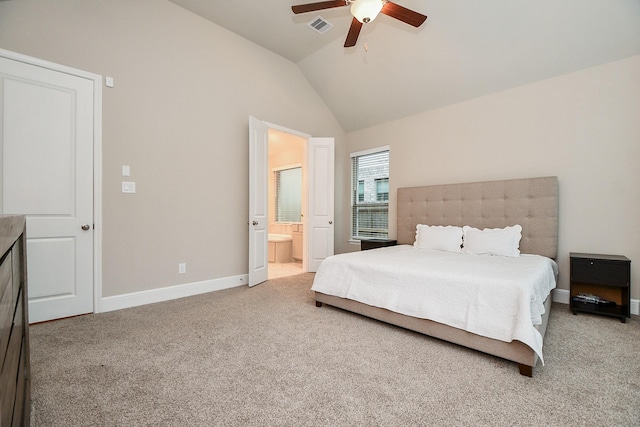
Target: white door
x=320 y=204
x=46 y=147
x=258 y=203
x=318 y=234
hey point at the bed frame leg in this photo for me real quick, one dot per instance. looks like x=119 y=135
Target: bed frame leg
x=525 y=370
x=318 y=304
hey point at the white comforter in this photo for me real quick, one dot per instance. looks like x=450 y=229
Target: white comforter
x=493 y=296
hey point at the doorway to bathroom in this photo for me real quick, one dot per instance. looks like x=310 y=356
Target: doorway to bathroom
x=317 y=204
x=286 y=177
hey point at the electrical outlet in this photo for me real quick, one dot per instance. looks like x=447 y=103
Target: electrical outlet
x=128 y=187
x=182 y=268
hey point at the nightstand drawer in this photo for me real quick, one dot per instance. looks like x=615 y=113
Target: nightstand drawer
x=600 y=272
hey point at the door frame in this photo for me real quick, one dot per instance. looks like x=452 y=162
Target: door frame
x=305 y=205
x=97 y=159
x=256 y=276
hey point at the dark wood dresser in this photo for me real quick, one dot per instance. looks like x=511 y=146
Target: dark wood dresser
x=15 y=374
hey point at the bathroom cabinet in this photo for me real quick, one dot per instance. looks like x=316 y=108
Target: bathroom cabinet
x=296 y=247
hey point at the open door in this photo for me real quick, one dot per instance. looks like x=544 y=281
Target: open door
x=318 y=237
x=258 y=206
x=320 y=204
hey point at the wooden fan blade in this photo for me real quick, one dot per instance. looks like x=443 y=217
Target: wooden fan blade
x=403 y=14
x=354 y=32
x=310 y=7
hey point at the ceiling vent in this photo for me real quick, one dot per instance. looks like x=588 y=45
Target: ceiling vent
x=320 y=24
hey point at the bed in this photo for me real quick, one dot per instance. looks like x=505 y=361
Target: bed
x=531 y=203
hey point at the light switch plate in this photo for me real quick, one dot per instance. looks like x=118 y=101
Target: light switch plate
x=128 y=187
x=126 y=170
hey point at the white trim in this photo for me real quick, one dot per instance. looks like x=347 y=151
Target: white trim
x=305 y=204
x=97 y=195
x=151 y=296
x=49 y=65
x=370 y=151
x=97 y=158
x=563 y=296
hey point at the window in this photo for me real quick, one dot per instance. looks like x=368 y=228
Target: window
x=382 y=189
x=288 y=194
x=370 y=194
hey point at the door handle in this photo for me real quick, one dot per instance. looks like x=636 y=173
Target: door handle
x=255 y=222
x=85 y=227
x=330 y=222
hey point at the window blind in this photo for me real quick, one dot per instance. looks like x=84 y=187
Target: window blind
x=288 y=194
x=370 y=195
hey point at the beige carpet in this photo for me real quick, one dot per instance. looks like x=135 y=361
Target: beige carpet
x=268 y=356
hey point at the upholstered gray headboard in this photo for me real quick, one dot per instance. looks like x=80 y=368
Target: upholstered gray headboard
x=531 y=202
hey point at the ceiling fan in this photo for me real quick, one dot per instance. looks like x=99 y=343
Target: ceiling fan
x=364 y=11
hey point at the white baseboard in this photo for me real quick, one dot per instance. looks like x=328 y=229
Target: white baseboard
x=562 y=296
x=135 y=299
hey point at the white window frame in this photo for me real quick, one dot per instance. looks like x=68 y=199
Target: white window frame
x=275 y=190
x=353 y=191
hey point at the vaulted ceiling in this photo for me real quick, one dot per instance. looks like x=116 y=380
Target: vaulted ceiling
x=465 y=49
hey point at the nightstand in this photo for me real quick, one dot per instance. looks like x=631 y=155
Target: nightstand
x=376 y=243
x=605 y=276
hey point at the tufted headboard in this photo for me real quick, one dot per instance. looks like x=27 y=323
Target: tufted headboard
x=530 y=202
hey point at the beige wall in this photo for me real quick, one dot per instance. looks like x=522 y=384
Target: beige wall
x=178 y=115
x=583 y=127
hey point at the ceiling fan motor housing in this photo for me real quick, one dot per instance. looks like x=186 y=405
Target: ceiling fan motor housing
x=366 y=11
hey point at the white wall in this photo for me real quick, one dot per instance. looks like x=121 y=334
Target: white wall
x=583 y=127
x=178 y=115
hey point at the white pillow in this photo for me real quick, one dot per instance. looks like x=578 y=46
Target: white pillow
x=439 y=238
x=494 y=241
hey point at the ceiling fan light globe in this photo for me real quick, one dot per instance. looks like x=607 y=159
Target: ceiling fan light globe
x=366 y=10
